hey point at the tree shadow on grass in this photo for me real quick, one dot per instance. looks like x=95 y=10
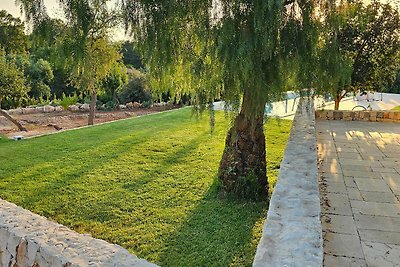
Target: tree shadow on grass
x=149 y=187
x=161 y=171
x=47 y=180
x=181 y=210
x=218 y=232
x=88 y=206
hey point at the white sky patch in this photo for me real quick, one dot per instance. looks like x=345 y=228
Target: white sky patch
x=118 y=34
x=54 y=11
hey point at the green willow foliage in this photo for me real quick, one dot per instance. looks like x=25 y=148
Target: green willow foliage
x=360 y=48
x=224 y=48
x=34 y=10
x=12 y=80
x=336 y=64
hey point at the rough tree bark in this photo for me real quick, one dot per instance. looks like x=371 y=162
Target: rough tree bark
x=7 y=116
x=242 y=170
x=92 y=109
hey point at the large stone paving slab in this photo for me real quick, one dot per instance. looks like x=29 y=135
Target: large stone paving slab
x=381 y=254
x=360 y=189
x=338 y=261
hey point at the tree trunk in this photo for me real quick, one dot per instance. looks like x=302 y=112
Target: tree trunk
x=92 y=109
x=5 y=114
x=337 y=102
x=242 y=170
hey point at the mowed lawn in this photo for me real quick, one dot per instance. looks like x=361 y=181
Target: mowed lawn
x=396 y=108
x=147 y=184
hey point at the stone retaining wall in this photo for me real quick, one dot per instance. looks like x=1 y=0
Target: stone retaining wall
x=292 y=234
x=347 y=115
x=27 y=239
x=78 y=108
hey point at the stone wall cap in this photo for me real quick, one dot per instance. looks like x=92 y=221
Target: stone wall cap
x=292 y=232
x=27 y=238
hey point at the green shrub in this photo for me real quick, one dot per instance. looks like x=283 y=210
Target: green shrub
x=67 y=101
x=135 y=90
x=86 y=99
x=43 y=102
x=147 y=104
x=55 y=102
x=111 y=105
x=99 y=105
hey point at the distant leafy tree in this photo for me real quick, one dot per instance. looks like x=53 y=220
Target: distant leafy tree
x=373 y=39
x=88 y=74
x=44 y=36
x=12 y=84
x=363 y=41
x=336 y=70
x=45 y=44
x=84 y=48
x=336 y=64
x=136 y=90
x=395 y=86
x=12 y=35
x=115 y=80
x=130 y=56
x=40 y=75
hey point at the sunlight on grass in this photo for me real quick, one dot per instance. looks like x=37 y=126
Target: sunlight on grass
x=147 y=184
x=396 y=108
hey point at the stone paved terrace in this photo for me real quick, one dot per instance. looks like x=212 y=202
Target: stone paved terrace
x=359 y=169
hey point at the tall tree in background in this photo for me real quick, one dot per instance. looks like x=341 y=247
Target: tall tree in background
x=115 y=80
x=373 y=38
x=44 y=36
x=45 y=44
x=89 y=63
x=84 y=48
x=12 y=84
x=40 y=75
x=363 y=41
x=130 y=56
x=245 y=52
x=336 y=64
x=12 y=35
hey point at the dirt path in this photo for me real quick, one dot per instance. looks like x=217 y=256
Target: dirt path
x=43 y=123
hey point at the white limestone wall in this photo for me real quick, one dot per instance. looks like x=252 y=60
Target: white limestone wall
x=27 y=239
x=292 y=234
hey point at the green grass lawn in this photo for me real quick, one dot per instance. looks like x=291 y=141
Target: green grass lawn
x=147 y=184
x=396 y=108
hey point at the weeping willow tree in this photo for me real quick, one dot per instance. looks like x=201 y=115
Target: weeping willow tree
x=84 y=48
x=244 y=52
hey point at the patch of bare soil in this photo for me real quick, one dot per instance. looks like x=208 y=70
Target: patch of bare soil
x=43 y=123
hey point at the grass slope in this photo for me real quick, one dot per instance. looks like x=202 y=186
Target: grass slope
x=396 y=108
x=147 y=184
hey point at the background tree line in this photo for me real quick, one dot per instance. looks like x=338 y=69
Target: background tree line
x=37 y=73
